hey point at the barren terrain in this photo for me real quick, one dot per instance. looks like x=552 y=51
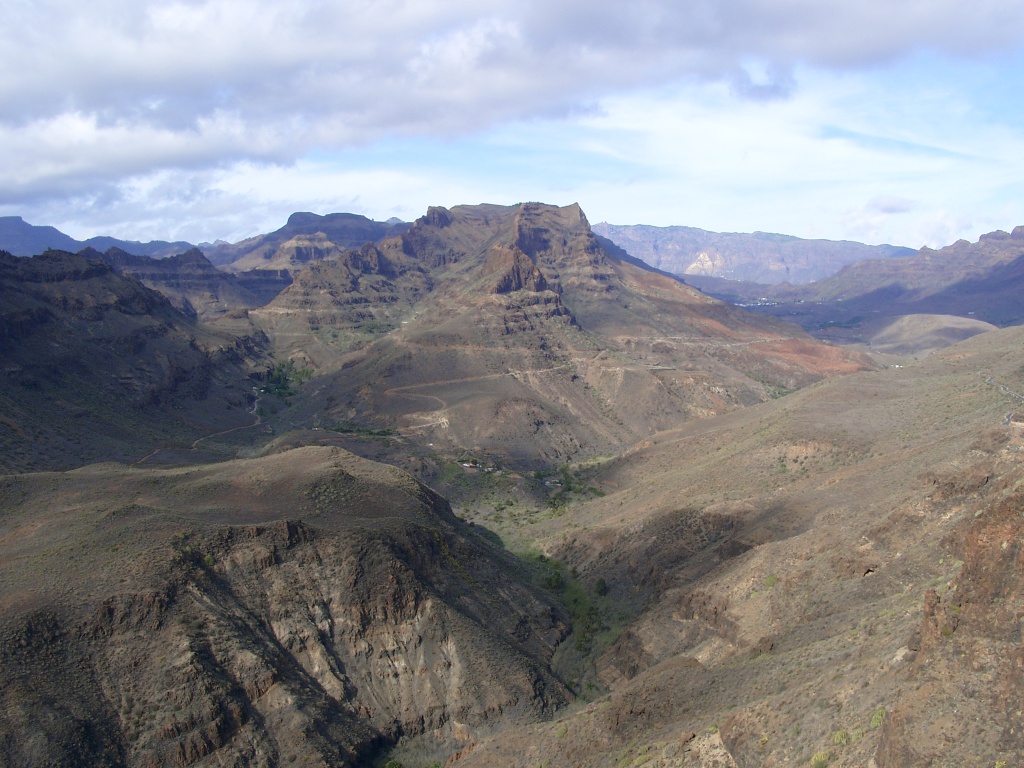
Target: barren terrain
x=490 y=492
x=825 y=575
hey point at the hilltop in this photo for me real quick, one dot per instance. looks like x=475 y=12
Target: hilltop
x=304 y=238
x=305 y=607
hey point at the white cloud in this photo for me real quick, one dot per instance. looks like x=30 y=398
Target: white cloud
x=366 y=68
x=97 y=98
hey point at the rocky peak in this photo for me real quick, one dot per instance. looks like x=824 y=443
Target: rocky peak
x=193 y=256
x=437 y=216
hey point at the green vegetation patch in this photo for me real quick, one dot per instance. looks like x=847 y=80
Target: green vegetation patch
x=282 y=377
x=588 y=618
x=568 y=486
x=350 y=428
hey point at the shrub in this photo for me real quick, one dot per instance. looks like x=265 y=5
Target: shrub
x=841 y=738
x=820 y=759
x=878 y=717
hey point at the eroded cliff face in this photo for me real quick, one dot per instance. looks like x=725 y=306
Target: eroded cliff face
x=263 y=642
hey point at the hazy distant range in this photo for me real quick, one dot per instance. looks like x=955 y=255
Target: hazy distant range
x=758 y=257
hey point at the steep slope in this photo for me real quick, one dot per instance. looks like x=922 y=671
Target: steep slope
x=832 y=578
x=305 y=237
x=307 y=608
x=95 y=365
x=515 y=331
x=758 y=257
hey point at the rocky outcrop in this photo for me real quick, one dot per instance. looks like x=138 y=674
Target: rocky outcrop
x=512 y=270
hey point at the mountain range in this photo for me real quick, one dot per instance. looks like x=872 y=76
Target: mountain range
x=755 y=257
x=487 y=489
x=20 y=238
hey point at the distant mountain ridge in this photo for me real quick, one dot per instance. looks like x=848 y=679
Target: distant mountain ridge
x=19 y=238
x=758 y=257
x=982 y=280
x=306 y=237
x=315 y=237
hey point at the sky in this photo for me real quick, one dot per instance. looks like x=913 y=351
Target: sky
x=898 y=121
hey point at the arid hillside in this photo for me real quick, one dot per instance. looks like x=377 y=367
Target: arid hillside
x=674 y=533
x=307 y=607
x=828 y=579
x=921 y=334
